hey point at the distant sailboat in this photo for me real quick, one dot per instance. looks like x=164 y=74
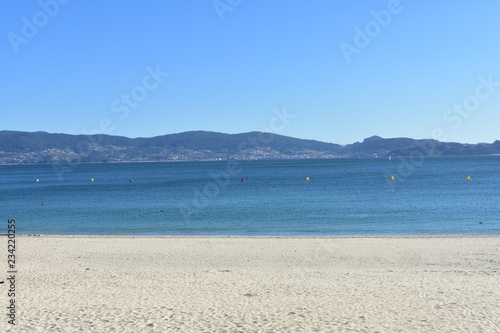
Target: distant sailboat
x=390 y=158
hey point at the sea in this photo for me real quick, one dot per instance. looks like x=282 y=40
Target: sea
x=330 y=197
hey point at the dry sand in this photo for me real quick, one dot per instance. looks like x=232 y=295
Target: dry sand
x=233 y=284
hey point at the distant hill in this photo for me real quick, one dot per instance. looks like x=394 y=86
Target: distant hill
x=41 y=147
x=377 y=146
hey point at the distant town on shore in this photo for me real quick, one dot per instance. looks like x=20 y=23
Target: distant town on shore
x=46 y=148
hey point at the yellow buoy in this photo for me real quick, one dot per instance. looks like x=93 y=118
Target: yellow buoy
x=307 y=178
x=392 y=178
x=92 y=180
x=468 y=178
x=37 y=180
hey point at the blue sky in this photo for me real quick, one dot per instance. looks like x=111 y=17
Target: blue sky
x=345 y=70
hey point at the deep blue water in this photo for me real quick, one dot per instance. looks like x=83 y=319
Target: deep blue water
x=431 y=196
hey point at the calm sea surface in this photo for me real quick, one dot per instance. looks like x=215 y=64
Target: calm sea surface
x=431 y=196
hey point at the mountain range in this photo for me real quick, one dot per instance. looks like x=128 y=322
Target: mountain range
x=43 y=148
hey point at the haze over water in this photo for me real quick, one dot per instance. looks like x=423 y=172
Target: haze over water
x=342 y=197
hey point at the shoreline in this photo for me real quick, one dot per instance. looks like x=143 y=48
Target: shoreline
x=251 y=237
x=333 y=157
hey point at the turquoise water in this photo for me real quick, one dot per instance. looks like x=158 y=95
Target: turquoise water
x=430 y=196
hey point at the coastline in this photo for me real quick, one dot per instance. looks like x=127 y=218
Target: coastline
x=251 y=237
x=258 y=284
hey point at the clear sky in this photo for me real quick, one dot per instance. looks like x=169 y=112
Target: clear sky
x=336 y=71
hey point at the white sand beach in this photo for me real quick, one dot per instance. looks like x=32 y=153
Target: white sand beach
x=264 y=284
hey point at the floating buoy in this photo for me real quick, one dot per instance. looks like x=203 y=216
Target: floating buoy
x=392 y=178
x=92 y=180
x=307 y=178
x=43 y=203
x=468 y=178
x=37 y=180
x=131 y=180
x=242 y=180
